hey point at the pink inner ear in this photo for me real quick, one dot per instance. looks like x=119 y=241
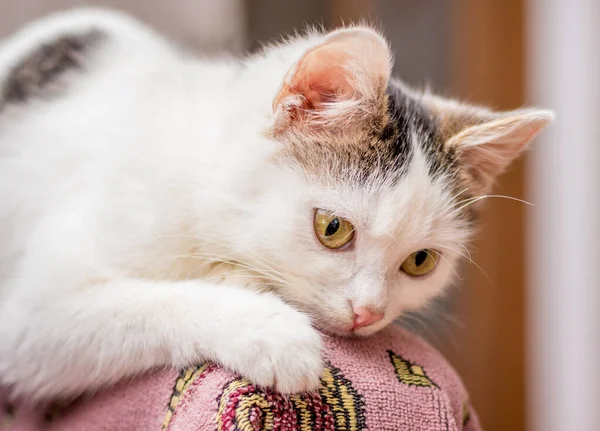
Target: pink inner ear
x=489 y=148
x=320 y=77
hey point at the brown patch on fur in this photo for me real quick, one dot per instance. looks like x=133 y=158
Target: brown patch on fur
x=41 y=72
x=361 y=153
x=454 y=117
x=450 y=125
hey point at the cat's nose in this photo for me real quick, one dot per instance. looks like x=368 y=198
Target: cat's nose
x=365 y=317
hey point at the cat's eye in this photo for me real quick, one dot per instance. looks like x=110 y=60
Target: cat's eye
x=420 y=262
x=332 y=231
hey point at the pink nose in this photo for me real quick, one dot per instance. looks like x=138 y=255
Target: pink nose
x=365 y=317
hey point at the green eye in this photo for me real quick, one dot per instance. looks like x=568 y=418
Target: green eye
x=420 y=263
x=332 y=231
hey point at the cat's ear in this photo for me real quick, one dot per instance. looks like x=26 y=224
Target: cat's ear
x=487 y=142
x=340 y=80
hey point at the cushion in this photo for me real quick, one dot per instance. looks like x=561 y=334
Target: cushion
x=390 y=381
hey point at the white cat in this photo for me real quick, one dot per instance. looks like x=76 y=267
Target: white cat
x=157 y=209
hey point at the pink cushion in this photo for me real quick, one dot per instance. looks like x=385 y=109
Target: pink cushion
x=392 y=381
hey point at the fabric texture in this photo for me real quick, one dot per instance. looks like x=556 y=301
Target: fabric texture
x=389 y=382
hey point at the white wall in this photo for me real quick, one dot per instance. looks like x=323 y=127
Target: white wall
x=564 y=243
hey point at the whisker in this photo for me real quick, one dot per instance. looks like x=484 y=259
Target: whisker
x=212 y=258
x=391 y=236
x=471 y=262
x=465 y=248
x=448 y=262
x=244 y=265
x=252 y=255
x=467 y=202
x=459 y=193
x=437 y=317
x=419 y=319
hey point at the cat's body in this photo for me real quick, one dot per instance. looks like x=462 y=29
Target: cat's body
x=150 y=200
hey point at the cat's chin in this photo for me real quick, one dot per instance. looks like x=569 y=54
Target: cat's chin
x=349 y=332
x=336 y=331
x=366 y=332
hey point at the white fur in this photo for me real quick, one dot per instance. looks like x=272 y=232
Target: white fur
x=142 y=217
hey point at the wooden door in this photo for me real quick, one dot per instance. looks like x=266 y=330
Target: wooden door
x=489 y=68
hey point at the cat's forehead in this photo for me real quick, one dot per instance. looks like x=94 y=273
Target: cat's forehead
x=383 y=206
x=399 y=160
x=381 y=149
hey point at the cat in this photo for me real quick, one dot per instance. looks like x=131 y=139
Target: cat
x=160 y=209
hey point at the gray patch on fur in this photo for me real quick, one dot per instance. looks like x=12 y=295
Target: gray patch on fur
x=410 y=116
x=42 y=72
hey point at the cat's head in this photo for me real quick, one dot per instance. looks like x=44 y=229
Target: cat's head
x=371 y=197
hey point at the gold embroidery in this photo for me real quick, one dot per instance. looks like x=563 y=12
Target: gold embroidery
x=243 y=407
x=409 y=373
x=303 y=409
x=8 y=418
x=336 y=407
x=185 y=380
x=337 y=393
x=466 y=413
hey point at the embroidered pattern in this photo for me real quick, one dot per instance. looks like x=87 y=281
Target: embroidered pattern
x=8 y=416
x=186 y=378
x=409 y=373
x=466 y=413
x=346 y=404
x=336 y=407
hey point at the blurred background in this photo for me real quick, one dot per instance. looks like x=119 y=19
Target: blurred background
x=522 y=327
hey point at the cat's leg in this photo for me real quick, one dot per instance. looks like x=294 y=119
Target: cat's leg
x=86 y=339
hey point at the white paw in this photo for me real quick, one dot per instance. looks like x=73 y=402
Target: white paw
x=281 y=350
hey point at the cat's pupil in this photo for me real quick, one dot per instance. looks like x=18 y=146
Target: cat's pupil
x=333 y=227
x=420 y=257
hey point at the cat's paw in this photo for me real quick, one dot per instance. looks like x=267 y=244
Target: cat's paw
x=283 y=353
